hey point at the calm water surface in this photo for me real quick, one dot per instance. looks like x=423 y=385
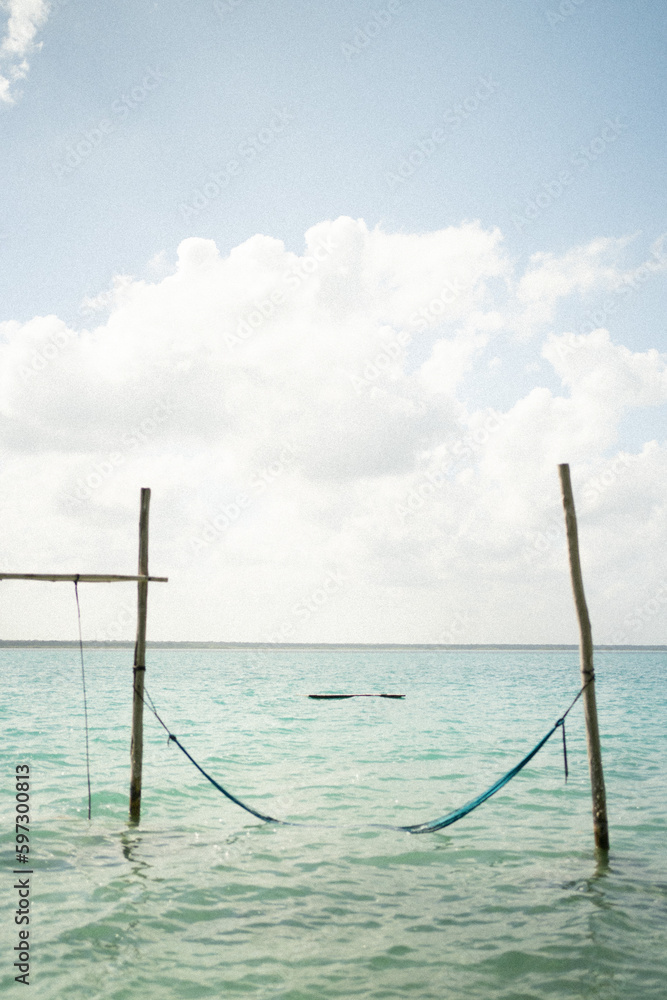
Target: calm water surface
x=203 y=900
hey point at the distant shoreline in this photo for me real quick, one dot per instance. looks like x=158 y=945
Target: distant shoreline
x=127 y=644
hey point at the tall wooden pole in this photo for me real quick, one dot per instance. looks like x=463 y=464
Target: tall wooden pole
x=600 y=826
x=137 y=745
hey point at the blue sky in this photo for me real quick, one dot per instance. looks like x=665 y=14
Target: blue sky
x=355 y=118
x=542 y=120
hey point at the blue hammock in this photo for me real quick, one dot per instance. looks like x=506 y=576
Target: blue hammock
x=456 y=814
x=427 y=827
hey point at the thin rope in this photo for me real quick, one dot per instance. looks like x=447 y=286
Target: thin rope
x=426 y=827
x=232 y=798
x=561 y=721
x=85 y=700
x=576 y=698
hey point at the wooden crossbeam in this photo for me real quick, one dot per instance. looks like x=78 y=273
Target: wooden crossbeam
x=82 y=577
x=142 y=580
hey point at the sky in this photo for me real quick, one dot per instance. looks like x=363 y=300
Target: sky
x=342 y=283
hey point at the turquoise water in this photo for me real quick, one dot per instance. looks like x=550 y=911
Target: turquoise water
x=203 y=900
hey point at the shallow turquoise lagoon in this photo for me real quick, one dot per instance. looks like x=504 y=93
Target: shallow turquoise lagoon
x=203 y=900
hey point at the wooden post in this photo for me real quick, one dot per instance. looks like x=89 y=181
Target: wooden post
x=136 y=750
x=600 y=826
x=137 y=744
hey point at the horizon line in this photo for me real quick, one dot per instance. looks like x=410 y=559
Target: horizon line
x=205 y=644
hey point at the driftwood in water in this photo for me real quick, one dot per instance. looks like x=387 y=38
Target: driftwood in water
x=323 y=697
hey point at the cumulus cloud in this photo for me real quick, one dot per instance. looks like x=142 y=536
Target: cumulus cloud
x=24 y=18
x=596 y=267
x=305 y=418
x=610 y=376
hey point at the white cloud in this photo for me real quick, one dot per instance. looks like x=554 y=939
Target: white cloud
x=550 y=278
x=299 y=415
x=610 y=376
x=24 y=19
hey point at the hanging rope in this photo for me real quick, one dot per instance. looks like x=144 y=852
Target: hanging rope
x=427 y=827
x=561 y=722
x=232 y=798
x=83 y=681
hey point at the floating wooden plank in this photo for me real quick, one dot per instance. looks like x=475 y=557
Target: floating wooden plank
x=329 y=697
x=82 y=577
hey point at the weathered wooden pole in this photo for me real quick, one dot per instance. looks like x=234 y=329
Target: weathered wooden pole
x=137 y=744
x=136 y=750
x=600 y=826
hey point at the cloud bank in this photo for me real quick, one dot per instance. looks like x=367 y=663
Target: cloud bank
x=322 y=467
